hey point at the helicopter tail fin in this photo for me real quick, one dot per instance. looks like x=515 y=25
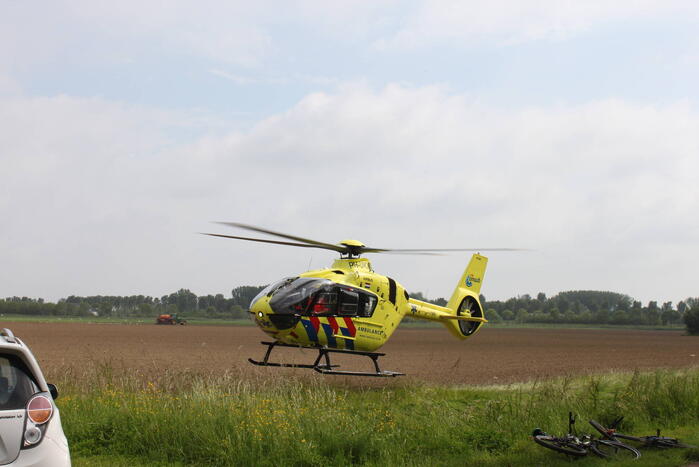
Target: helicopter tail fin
x=463 y=315
x=465 y=300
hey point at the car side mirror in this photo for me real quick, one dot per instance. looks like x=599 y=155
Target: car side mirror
x=53 y=390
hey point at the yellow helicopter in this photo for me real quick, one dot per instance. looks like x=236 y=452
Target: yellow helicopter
x=350 y=309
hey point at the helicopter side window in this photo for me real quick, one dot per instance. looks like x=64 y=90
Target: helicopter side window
x=320 y=297
x=339 y=301
x=349 y=303
x=325 y=303
x=356 y=302
x=368 y=305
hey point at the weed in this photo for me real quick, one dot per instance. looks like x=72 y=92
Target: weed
x=225 y=419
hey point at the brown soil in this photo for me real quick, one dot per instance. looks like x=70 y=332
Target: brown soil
x=494 y=356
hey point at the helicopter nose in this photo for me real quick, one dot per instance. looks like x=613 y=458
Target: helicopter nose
x=258 y=309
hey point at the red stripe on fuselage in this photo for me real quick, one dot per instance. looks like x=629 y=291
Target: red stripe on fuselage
x=350 y=326
x=333 y=324
x=315 y=322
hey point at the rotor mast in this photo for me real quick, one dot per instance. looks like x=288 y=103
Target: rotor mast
x=353 y=249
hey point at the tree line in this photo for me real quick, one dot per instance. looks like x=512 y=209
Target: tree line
x=587 y=307
x=582 y=306
x=183 y=302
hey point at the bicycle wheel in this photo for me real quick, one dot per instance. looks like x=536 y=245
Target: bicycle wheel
x=666 y=443
x=566 y=446
x=636 y=439
x=652 y=441
x=613 y=449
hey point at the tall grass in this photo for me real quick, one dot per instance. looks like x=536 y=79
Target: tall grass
x=222 y=419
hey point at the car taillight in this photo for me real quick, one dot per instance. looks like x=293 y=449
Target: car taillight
x=39 y=409
x=39 y=412
x=32 y=435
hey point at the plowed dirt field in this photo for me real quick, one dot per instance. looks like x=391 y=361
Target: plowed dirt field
x=494 y=356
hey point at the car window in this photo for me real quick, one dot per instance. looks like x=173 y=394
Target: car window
x=16 y=383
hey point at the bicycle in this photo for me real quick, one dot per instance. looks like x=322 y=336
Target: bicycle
x=653 y=441
x=575 y=446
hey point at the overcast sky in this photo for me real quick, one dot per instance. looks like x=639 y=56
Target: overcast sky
x=567 y=127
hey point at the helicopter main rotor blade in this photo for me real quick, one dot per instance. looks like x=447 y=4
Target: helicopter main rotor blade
x=277 y=242
x=329 y=246
x=343 y=248
x=435 y=250
x=394 y=252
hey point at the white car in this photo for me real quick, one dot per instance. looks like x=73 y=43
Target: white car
x=30 y=425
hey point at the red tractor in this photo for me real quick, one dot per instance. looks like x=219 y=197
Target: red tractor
x=167 y=318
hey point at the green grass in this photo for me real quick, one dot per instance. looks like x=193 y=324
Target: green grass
x=413 y=323
x=118 y=320
x=647 y=327
x=181 y=419
x=72 y=319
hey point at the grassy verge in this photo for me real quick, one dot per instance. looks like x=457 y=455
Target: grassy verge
x=115 y=320
x=183 y=419
x=413 y=323
x=587 y=326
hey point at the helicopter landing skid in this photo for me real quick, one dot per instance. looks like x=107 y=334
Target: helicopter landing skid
x=326 y=368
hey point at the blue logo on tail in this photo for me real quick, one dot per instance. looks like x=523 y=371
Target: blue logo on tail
x=470 y=280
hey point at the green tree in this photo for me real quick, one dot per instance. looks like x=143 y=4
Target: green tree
x=671 y=316
x=243 y=295
x=602 y=316
x=620 y=317
x=238 y=312
x=691 y=320
x=555 y=315
x=144 y=309
x=493 y=316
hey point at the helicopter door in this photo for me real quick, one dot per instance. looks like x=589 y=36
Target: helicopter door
x=349 y=303
x=356 y=302
x=325 y=303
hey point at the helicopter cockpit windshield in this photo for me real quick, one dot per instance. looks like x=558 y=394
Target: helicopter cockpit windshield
x=307 y=296
x=271 y=288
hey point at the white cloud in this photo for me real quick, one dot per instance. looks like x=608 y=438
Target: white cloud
x=240 y=80
x=80 y=32
x=104 y=197
x=9 y=86
x=470 y=23
x=235 y=78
